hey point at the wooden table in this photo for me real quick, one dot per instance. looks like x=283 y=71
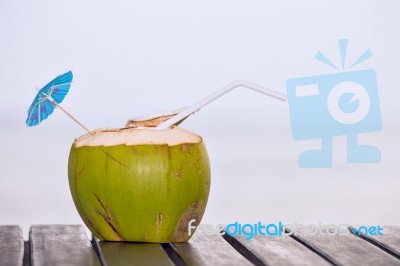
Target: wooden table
x=69 y=245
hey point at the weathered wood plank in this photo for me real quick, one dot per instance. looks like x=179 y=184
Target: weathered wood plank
x=281 y=251
x=377 y=241
x=11 y=245
x=349 y=249
x=61 y=245
x=391 y=237
x=205 y=249
x=120 y=253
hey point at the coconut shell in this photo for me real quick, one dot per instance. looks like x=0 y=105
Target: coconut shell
x=144 y=190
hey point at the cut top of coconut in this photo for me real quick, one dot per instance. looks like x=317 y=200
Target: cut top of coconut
x=138 y=136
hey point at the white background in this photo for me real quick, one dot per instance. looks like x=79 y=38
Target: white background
x=131 y=58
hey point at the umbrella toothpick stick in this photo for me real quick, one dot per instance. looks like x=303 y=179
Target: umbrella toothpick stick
x=234 y=84
x=73 y=118
x=67 y=113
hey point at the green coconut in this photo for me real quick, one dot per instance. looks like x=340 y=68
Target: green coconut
x=140 y=184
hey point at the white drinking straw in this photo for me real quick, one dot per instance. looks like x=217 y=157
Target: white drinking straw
x=234 y=84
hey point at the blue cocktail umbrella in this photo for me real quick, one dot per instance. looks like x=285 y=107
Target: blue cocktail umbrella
x=49 y=98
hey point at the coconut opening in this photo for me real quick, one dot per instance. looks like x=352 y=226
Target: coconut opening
x=138 y=136
x=154 y=120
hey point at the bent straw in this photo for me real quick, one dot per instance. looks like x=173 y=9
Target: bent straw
x=234 y=84
x=65 y=111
